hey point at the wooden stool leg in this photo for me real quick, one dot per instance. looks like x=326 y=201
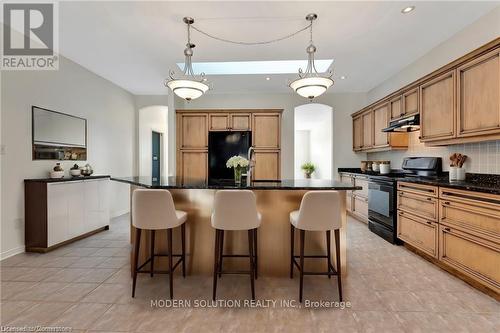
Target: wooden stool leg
x=292 y=241
x=136 y=258
x=170 y=271
x=221 y=250
x=328 y=236
x=152 y=251
x=337 y=256
x=255 y=251
x=250 y=255
x=302 y=237
x=216 y=264
x=183 y=254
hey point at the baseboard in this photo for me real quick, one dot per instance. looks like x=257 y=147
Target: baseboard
x=119 y=213
x=12 y=252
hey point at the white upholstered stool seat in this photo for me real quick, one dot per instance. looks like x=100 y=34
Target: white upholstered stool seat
x=235 y=210
x=154 y=210
x=319 y=211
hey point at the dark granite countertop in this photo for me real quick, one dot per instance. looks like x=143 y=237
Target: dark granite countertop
x=66 y=179
x=477 y=182
x=285 y=184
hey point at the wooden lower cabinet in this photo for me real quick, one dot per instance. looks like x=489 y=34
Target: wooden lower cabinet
x=267 y=165
x=418 y=232
x=360 y=207
x=419 y=205
x=473 y=256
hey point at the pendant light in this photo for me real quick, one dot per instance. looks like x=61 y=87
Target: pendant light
x=188 y=86
x=310 y=83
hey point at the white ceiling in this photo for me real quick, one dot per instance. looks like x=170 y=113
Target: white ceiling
x=134 y=44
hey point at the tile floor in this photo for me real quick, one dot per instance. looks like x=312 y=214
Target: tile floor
x=86 y=286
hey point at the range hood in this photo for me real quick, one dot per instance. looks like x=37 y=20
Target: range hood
x=407 y=124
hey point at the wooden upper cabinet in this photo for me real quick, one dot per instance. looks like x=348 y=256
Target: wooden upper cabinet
x=478 y=83
x=367 y=129
x=241 y=121
x=438 y=108
x=219 y=122
x=396 y=107
x=266 y=130
x=192 y=129
x=194 y=165
x=357 y=133
x=267 y=165
x=381 y=120
x=410 y=102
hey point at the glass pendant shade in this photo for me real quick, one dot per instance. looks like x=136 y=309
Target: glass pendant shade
x=187 y=89
x=311 y=87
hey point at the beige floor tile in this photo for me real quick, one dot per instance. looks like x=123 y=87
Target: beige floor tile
x=88 y=262
x=121 y=317
x=377 y=321
x=110 y=294
x=400 y=300
x=81 y=316
x=421 y=322
x=438 y=301
x=115 y=262
x=67 y=275
x=72 y=292
x=40 y=314
x=469 y=322
x=81 y=252
x=12 y=309
x=10 y=289
x=39 y=292
x=97 y=275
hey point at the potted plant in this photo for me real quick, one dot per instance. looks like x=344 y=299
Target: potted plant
x=308 y=169
x=239 y=164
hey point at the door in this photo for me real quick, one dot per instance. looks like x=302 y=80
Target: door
x=381 y=120
x=267 y=165
x=396 y=108
x=192 y=130
x=156 y=156
x=357 y=137
x=240 y=121
x=194 y=166
x=437 y=103
x=478 y=84
x=219 y=122
x=410 y=102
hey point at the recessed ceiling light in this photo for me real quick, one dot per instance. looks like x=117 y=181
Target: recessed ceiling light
x=408 y=9
x=343 y=77
x=268 y=78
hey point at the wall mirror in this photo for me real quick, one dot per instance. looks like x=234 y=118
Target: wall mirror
x=58 y=136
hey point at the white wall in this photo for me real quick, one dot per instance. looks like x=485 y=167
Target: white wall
x=152 y=118
x=484 y=30
x=72 y=89
x=302 y=152
x=343 y=105
x=317 y=120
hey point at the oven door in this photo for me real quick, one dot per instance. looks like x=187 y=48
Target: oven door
x=381 y=202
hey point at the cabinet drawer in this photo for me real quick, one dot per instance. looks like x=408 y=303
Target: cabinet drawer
x=363 y=182
x=471 y=255
x=427 y=190
x=484 y=222
x=418 y=232
x=219 y=122
x=423 y=206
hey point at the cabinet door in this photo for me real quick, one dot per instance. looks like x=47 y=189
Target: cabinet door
x=418 y=232
x=194 y=166
x=357 y=137
x=57 y=213
x=367 y=129
x=410 y=102
x=241 y=121
x=478 y=84
x=192 y=130
x=381 y=120
x=471 y=255
x=363 y=182
x=422 y=206
x=266 y=131
x=219 y=122
x=437 y=103
x=93 y=209
x=396 y=107
x=360 y=207
x=76 y=209
x=267 y=165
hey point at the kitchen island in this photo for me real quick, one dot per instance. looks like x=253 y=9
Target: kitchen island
x=275 y=201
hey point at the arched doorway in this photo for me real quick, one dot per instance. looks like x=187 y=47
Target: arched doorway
x=313 y=140
x=153 y=141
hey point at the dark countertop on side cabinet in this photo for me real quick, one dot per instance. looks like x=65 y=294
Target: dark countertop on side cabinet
x=65 y=179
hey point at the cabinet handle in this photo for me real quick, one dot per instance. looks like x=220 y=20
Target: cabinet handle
x=447 y=229
x=429 y=222
x=429 y=199
x=446 y=202
x=401 y=213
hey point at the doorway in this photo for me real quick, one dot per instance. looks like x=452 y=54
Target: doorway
x=156 y=156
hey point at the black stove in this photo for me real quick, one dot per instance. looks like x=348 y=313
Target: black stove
x=382 y=190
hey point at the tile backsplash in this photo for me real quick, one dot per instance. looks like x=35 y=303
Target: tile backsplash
x=482 y=157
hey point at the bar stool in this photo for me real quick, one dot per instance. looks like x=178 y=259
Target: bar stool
x=154 y=210
x=319 y=211
x=235 y=210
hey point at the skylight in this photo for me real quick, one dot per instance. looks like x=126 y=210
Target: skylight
x=256 y=67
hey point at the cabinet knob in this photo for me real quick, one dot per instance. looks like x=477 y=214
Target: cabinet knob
x=446 y=202
x=429 y=222
x=429 y=199
x=447 y=229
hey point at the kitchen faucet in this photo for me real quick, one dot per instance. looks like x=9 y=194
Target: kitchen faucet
x=251 y=164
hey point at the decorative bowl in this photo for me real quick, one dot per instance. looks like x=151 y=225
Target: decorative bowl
x=75 y=172
x=56 y=174
x=86 y=172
